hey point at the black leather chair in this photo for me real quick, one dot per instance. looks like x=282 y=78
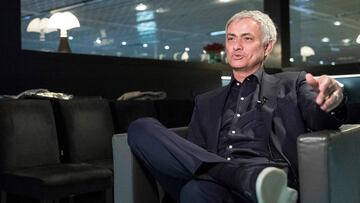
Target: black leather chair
x=126 y=111
x=131 y=184
x=29 y=156
x=85 y=128
x=174 y=113
x=329 y=166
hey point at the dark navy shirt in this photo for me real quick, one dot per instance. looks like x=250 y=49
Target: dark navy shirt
x=243 y=133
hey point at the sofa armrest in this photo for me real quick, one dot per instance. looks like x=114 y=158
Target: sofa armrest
x=131 y=185
x=329 y=165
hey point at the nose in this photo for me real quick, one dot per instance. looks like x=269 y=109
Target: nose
x=238 y=45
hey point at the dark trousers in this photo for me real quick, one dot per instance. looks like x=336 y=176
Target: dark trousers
x=188 y=172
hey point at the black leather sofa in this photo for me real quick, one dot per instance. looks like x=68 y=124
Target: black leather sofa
x=329 y=168
x=53 y=150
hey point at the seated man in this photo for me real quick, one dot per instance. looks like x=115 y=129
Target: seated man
x=241 y=145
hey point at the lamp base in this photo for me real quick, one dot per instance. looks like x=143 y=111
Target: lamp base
x=64 y=46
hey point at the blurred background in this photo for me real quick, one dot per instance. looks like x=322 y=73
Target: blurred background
x=322 y=32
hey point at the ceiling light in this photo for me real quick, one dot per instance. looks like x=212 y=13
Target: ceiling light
x=216 y=33
x=321 y=62
x=358 y=39
x=337 y=23
x=162 y=10
x=145 y=45
x=325 y=39
x=291 y=59
x=167 y=47
x=224 y=1
x=335 y=49
x=70 y=37
x=27 y=17
x=333 y=63
x=98 y=40
x=123 y=43
x=187 y=49
x=141 y=7
x=346 y=41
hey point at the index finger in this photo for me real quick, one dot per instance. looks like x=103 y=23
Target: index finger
x=312 y=81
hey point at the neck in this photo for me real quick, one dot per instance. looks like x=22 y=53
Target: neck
x=240 y=74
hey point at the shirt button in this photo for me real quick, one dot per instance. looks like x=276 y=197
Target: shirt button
x=237 y=115
x=242 y=98
x=228 y=158
x=233 y=131
x=237 y=84
x=230 y=146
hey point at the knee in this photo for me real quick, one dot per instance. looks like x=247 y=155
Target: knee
x=140 y=129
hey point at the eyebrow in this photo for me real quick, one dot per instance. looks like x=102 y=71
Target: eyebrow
x=242 y=34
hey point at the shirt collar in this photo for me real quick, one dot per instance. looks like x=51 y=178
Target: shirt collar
x=258 y=75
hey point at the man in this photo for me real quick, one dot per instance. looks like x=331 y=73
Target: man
x=241 y=144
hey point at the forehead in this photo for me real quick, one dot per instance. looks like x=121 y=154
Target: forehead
x=244 y=25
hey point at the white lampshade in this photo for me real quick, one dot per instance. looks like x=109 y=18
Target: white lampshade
x=358 y=39
x=306 y=51
x=40 y=26
x=185 y=56
x=63 y=21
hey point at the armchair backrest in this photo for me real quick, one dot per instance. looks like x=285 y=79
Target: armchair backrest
x=27 y=134
x=85 y=128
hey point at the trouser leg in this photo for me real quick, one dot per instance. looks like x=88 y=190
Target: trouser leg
x=240 y=177
x=202 y=191
x=171 y=159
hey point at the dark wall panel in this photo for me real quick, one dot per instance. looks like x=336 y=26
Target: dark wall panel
x=90 y=75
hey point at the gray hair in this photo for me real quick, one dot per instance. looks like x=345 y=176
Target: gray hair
x=266 y=24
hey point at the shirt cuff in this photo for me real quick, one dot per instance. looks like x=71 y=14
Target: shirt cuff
x=340 y=111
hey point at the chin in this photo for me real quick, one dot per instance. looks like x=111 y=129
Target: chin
x=237 y=66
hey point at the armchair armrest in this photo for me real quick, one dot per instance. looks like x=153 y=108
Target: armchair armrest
x=131 y=184
x=329 y=165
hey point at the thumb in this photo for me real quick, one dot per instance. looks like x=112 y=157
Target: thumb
x=311 y=80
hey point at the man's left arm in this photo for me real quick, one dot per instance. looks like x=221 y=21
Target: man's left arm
x=330 y=93
x=321 y=101
x=330 y=96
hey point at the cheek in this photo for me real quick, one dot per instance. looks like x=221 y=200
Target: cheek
x=227 y=53
x=227 y=47
x=257 y=53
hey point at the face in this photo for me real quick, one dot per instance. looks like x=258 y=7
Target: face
x=244 y=47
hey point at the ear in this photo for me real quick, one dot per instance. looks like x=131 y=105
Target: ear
x=269 y=47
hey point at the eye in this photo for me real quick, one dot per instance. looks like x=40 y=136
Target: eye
x=230 y=38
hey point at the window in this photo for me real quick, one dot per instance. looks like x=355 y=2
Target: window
x=171 y=30
x=324 y=32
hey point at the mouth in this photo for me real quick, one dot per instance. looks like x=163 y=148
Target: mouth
x=238 y=56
